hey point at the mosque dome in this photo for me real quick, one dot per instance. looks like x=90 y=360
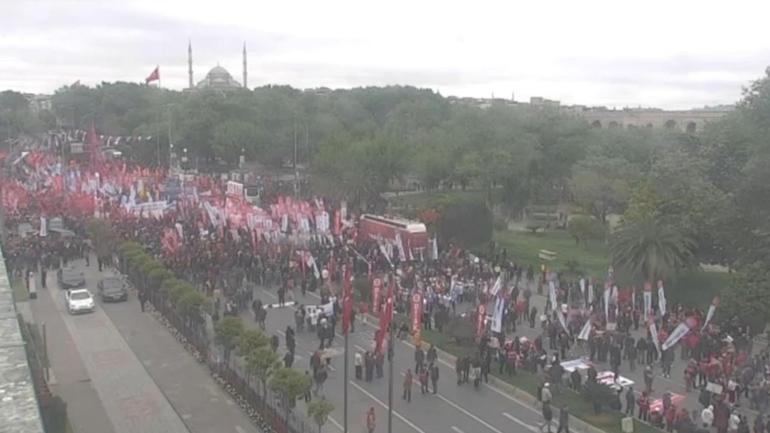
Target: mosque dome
x=218 y=78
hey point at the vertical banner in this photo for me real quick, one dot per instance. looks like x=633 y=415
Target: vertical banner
x=43 y=227
x=676 y=335
x=416 y=317
x=583 y=287
x=497 y=317
x=496 y=287
x=386 y=315
x=710 y=314
x=481 y=316
x=590 y=292
x=552 y=295
x=661 y=298
x=607 y=292
x=647 y=300
x=654 y=334
x=376 y=289
x=347 y=300
x=585 y=332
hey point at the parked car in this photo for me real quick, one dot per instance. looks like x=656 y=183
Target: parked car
x=112 y=289
x=70 y=278
x=79 y=301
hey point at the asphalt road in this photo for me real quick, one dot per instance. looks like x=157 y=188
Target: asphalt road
x=134 y=376
x=458 y=409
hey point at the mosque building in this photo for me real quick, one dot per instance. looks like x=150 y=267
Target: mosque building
x=218 y=78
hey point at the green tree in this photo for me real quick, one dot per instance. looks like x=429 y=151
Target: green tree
x=747 y=300
x=227 y=332
x=262 y=363
x=289 y=384
x=584 y=229
x=601 y=185
x=467 y=223
x=232 y=138
x=650 y=249
x=319 y=410
x=102 y=237
x=251 y=340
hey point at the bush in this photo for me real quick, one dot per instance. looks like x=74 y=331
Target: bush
x=467 y=223
x=462 y=330
x=584 y=228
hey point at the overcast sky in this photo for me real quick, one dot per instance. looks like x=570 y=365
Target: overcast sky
x=666 y=53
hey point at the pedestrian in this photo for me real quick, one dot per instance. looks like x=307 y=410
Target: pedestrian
x=358 y=362
x=419 y=358
x=563 y=420
x=547 y=416
x=370 y=420
x=307 y=391
x=707 y=417
x=648 y=377
x=407 y=386
x=644 y=406
x=545 y=393
x=630 y=401
x=459 y=370
x=423 y=381
x=369 y=366
x=434 y=377
x=141 y=300
x=288 y=359
x=379 y=364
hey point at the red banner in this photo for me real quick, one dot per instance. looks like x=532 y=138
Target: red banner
x=347 y=300
x=376 y=289
x=480 y=325
x=416 y=317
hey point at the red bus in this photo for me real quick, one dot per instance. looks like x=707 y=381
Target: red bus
x=413 y=234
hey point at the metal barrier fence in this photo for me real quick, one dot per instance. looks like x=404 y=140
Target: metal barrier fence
x=233 y=377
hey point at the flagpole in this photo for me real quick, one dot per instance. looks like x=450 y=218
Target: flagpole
x=346 y=327
x=345 y=411
x=390 y=364
x=160 y=112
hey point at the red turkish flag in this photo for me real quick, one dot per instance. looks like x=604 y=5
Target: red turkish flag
x=154 y=76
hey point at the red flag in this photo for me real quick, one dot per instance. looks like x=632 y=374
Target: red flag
x=376 y=288
x=416 y=316
x=347 y=300
x=480 y=321
x=386 y=315
x=154 y=76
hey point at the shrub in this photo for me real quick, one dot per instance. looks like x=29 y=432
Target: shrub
x=466 y=223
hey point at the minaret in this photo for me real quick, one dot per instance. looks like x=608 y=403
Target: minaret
x=189 y=64
x=245 y=68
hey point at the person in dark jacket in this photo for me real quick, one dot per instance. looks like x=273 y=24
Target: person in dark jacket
x=563 y=420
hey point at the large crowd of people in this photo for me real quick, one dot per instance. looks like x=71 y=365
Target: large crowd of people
x=226 y=261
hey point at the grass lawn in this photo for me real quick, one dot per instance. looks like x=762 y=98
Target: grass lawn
x=523 y=247
x=20 y=293
x=579 y=406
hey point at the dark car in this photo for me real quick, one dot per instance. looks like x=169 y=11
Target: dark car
x=70 y=278
x=112 y=289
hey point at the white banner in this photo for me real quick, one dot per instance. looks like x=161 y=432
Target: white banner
x=661 y=300
x=496 y=287
x=560 y=316
x=647 y=304
x=43 y=227
x=590 y=293
x=607 y=293
x=586 y=331
x=677 y=335
x=583 y=287
x=654 y=334
x=709 y=316
x=552 y=295
x=497 y=317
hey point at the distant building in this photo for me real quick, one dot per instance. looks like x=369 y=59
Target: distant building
x=539 y=101
x=38 y=103
x=218 y=78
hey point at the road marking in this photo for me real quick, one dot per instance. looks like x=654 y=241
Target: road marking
x=378 y=401
x=456 y=406
x=337 y=424
x=457 y=430
x=520 y=422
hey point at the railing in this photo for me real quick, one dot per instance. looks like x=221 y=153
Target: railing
x=265 y=409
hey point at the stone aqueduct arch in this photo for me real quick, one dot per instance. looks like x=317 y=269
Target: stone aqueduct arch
x=685 y=121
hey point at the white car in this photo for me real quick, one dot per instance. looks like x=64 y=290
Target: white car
x=79 y=301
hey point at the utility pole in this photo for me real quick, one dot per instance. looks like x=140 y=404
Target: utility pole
x=390 y=374
x=296 y=173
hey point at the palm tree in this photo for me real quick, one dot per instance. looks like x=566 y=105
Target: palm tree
x=651 y=249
